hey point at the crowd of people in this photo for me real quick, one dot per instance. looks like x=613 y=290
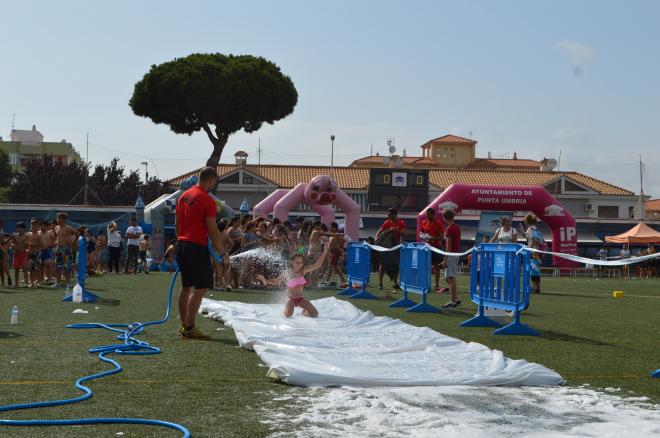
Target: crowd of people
x=46 y=253
x=644 y=270
x=245 y=236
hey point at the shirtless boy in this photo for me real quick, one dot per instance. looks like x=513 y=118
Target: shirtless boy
x=34 y=253
x=315 y=247
x=20 y=242
x=222 y=274
x=145 y=246
x=65 y=236
x=336 y=249
x=47 y=238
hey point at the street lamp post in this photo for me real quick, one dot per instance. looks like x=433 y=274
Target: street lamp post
x=332 y=155
x=146 y=171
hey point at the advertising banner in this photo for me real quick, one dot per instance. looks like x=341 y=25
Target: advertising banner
x=489 y=222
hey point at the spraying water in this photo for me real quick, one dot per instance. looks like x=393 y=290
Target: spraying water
x=267 y=262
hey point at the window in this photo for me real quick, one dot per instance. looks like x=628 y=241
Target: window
x=419 y=181
x=248 y=179
x=13 y=159
x=608 y=211
x=572 y=187
x=554 y=187
x=382 y=179
x=631 y=212
x=231 y=179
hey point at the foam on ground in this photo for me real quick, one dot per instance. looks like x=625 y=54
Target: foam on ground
x=461 y=411
x=347 y=346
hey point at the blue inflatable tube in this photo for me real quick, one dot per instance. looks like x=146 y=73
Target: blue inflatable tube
x=130 y=346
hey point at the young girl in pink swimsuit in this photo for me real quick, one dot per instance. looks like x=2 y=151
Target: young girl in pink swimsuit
x=296 y=283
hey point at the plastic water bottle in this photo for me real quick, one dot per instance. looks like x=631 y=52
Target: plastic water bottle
x=77 y=294
x=14 y=315
x=67 y=291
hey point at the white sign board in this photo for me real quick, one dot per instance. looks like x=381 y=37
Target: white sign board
x=342 y=223
x=399 y=179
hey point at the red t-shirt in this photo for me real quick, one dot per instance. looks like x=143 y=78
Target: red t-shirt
x=192 y=209
x=433 y=228
x=398 y=224
x=453 y=231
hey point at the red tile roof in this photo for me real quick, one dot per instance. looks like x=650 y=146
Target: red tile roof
x=495 y=163
x=448 y=139
x=357 y=178
x=652 y=205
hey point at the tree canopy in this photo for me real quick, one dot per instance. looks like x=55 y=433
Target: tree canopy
x=47 y=181
x=5 y=170
x=219 y=94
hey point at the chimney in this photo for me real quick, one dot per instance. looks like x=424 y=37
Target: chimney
x=241 y=158
x=515 y=156
x=34 y=127
x=489 y=155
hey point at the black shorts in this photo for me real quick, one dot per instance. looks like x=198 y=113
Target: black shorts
x=436 y=258
x=194 y=263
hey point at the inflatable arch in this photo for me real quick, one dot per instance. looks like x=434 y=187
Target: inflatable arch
x=319 y=193
x=517 y=198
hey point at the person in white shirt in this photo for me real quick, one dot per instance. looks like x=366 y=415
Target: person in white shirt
x=506 y=233
x=114 y=247
x=133 y=234
x=625 y=254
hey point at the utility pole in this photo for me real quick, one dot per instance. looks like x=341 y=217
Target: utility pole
x=332 y=155
x=146 y=171
x=641 y=188
x=85 y=200
x=259 y=168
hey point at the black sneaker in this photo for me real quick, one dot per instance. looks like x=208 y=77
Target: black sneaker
x=450 y=304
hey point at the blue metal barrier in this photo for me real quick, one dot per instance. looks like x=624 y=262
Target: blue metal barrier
x=656 y=373
x=500 y=279
x=358 y=271
x=87 y=296
x=415 y=277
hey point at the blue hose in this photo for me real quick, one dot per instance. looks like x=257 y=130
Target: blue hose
x=130 y=345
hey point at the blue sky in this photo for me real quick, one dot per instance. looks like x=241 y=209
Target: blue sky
x=530 y=77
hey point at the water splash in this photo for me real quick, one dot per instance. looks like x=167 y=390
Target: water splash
x=264 y=261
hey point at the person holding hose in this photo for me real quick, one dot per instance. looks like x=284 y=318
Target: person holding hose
x=195 y=224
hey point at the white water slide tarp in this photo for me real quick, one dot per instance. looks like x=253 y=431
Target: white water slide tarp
x=347 y=346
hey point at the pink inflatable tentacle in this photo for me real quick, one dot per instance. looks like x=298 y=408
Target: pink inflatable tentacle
x=265 y=207
x=351 y=211
x=289 y=201
x=326 y=212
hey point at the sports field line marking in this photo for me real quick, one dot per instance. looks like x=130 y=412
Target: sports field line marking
x=604 y=295
x=641 y=376
x=138 y=381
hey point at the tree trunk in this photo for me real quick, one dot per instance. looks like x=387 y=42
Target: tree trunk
x=219 y=144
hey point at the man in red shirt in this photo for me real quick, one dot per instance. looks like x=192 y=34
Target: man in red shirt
x=195 y=224
x=389 y=235
x=453 y=239
x=432 y=232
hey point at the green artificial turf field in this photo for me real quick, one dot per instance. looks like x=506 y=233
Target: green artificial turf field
x=217 y=389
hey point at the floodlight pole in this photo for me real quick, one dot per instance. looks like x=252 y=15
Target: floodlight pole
x=332 y=155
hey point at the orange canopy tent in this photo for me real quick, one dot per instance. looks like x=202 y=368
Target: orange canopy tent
x=640 y=233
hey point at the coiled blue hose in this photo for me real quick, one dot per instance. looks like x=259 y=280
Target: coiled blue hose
x=130 y=345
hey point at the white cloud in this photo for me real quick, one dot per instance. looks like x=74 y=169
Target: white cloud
x=578 y=54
